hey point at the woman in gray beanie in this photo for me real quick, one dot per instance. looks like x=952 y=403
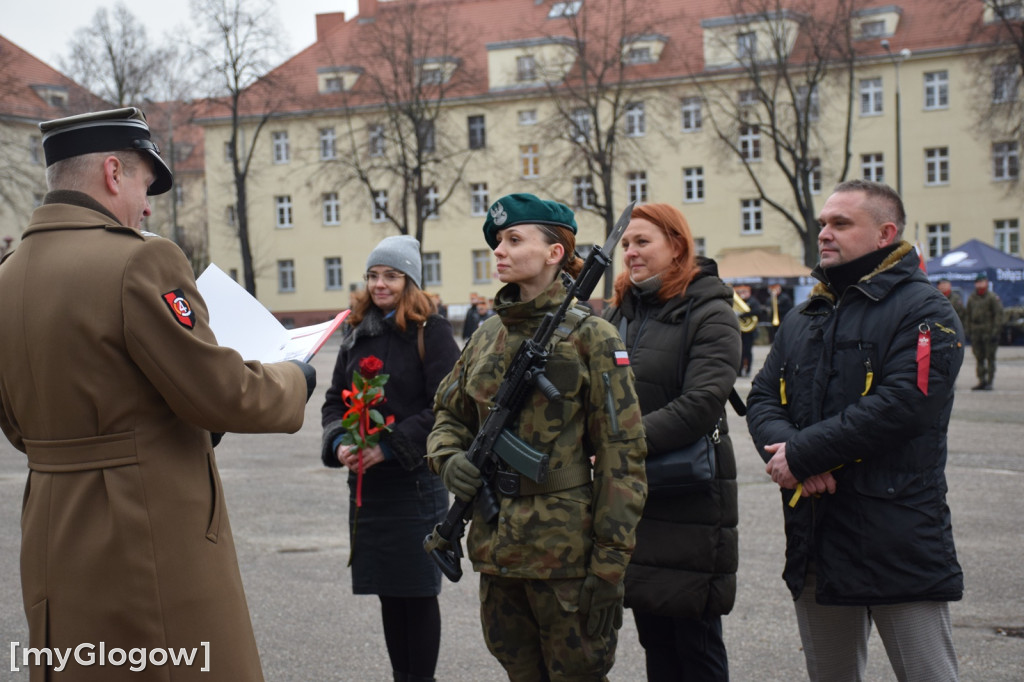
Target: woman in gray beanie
x=395 y=321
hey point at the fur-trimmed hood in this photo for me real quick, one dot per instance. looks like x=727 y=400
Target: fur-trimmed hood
x=871 y=284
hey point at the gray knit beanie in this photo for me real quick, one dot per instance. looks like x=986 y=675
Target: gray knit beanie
x=400 y=252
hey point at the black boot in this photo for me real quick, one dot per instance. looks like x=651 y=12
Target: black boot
x=417 y=678
x=401 y=677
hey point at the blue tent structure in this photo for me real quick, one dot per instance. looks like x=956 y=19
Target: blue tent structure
x=961 y=265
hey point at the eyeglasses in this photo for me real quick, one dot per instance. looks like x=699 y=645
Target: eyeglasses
x=391 y=277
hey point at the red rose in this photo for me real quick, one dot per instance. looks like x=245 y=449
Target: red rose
x=370 y=366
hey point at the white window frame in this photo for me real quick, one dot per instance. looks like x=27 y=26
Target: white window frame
x=281 y=146
x=380 y=205
x=746 y=45
x=476 y=129
x=751 y=219
x=1007 y=236
x=814 y=102
x=814 y=175
x=693 y=184
x=529 y=158
x=432 y=269
x=579 y=129
x=940 y=239
x=636 y=186
x=1004 y=83
x=583 y=195
x=936 y=90
x=1005 y=161
x=330 y=208
x=872 y=167
x=527 y=117
x=431 y=200
x=231 y=215
x=936 y=166
x=332 y=273
x=873 y=28
x=481 y=265
x=286 y=276
x=526 y=68
x=750 y=142
x=691 y=110
x=328 y=144
x=565 y=9
x=479 y=198
x=700 y=247
x=377 y=144
x=636 y=119
x=283 y=215
x=871 y=96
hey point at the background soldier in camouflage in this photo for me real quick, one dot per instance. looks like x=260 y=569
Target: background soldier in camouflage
x=945 y=287
x=983 y=324
x=553 y=564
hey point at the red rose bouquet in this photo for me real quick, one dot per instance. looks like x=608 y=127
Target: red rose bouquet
x=363 y=423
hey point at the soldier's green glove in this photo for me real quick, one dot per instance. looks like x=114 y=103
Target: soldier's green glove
x=601 y=606
x=461 y=477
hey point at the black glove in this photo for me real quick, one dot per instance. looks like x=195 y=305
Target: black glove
x=601 y=606
x=309 y=373
x=461 y=477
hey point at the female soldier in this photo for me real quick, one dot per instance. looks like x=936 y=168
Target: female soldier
x=684 y=345
x=552 y=564
x=394 y=320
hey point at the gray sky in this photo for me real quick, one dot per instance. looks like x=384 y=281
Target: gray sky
x=46 y=28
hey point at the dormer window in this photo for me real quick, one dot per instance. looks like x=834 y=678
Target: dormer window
x=53 y=95
x=332 y=79
x=872 y=29
x=333 y=84
x=526 y=68
x=565 y=9
x=431 y=76
x=746 y=45
x=638 y=55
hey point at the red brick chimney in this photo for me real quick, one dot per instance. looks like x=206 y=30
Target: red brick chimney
x=325 y=23
x=367 y=10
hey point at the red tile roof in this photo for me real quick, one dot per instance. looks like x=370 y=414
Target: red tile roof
x=23 y=78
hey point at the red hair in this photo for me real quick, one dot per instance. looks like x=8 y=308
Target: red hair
x=684 y=268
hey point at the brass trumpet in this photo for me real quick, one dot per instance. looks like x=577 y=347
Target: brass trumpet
x=748 y=322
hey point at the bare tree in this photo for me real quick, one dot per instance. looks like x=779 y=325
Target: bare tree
x=237 y=44
x=783 y=55
x=114 y=58
x=590 y=82
x=411 y=62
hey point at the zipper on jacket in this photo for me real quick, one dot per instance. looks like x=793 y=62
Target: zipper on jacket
x=609 y=402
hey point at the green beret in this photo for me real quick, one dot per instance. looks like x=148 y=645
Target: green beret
x=981 y=277
x=520 y=209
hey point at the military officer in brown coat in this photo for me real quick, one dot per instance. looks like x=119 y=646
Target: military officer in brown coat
x=111 y=382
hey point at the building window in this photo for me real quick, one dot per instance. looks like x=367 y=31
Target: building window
x=333 y=84
x=936 y=166
x=565 y=9
x=750 y=143
x=579 y=126
x=477 y=132
x=583 y=192
x=332 y=273
x=636 y=186
x=35 y=150
x=1005 y=161
x=227 y=152
x=376 y=133
x=872 y=29
x=693 y=184
x=1004 y=83
x=380 y=205
x=700 y=246
x=331 y=209
x=481 y=266
x=691 y=114
x=285 y=276
x=530 y=159
x=527 y=117
x=432 y=269
x=750 y=216
x=639 y=55
x=283 y=211
x=479 y=199
x=281 y=146
x=939 y=239
x=425 y=129
x=431 y=76
x=1008 y=236
x=526 y=68
x=179 y=195
x=936 y=90
x=746 y=46
x=872 y=167
x=328 y=150
x=814 y=175
x=231 y=216
x=871 y=97
x=636 y=122
x=808 y=101
x=430 y=201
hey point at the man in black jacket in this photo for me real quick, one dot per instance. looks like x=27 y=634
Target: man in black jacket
x=850 y=413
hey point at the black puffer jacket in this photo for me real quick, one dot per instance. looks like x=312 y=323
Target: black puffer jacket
x=686 y=555
x=852 y=399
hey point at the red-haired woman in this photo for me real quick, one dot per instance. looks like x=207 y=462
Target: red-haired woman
x=676 y=318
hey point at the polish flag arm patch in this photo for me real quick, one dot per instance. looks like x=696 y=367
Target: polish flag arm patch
x=180 y=307
x=621 y=358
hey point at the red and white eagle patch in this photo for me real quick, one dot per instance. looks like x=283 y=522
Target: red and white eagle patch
x=181 y=308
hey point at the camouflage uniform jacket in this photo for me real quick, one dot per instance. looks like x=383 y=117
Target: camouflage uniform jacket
x=568 y=533
x=984 y=318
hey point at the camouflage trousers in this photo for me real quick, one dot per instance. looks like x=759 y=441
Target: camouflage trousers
x=985 y=356
x=534 y=629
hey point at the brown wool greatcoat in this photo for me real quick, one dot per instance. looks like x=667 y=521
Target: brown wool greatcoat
x=125 y=535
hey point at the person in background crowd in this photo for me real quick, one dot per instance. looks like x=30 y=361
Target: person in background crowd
x=551 y=567
x=783 y=302
x=850 y=413
x=113 y=385
x=472 y=319
x=945 y=287
x=984 y=324
x=684 y=343
x=401 y=500
x=439 y=307
x=755 y=315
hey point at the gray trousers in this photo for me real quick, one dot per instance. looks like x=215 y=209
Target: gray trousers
x=918 y=638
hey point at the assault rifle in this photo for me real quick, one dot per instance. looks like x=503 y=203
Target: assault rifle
x=494 y=440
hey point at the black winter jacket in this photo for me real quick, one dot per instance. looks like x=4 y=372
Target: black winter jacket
x=849 y=372
x=686 y=555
